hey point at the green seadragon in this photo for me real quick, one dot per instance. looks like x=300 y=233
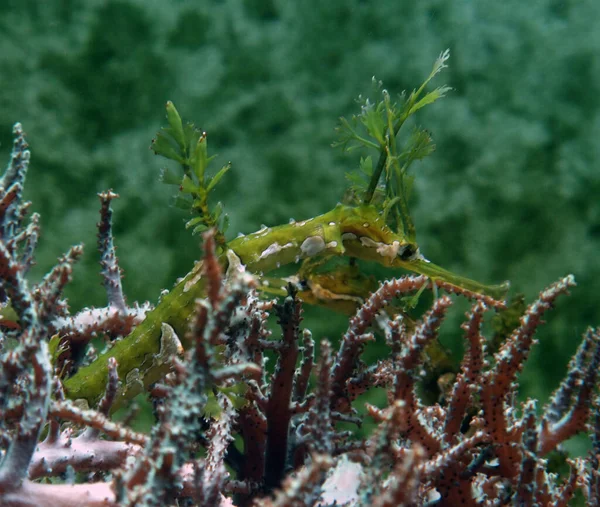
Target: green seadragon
x=372 y=224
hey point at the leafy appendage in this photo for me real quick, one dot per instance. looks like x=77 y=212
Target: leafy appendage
x=187 y=145
x=377 y=127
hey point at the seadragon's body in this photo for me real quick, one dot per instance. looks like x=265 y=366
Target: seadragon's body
x=349 y=231
x=376 y=227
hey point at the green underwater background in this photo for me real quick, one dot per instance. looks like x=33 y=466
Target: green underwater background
x=510 y=193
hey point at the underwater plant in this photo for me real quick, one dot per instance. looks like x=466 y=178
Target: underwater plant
x=229 y=429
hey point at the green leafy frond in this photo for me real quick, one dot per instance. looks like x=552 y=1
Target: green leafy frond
x=377 y=127
x=188 y=146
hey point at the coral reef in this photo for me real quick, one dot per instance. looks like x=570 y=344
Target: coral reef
x=231 y=431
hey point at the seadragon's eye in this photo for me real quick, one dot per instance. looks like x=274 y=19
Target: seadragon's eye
x=408 y=252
